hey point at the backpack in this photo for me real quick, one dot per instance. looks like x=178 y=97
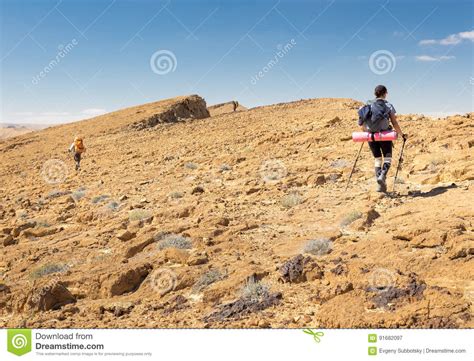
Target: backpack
x=375 y=116
x=79 y=146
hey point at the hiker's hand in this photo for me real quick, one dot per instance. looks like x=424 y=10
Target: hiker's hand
x=404 y=136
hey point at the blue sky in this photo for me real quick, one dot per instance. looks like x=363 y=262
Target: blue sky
x=68 y=60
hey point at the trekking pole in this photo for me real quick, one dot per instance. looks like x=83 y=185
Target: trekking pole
x=353 y=167
x=400 y=160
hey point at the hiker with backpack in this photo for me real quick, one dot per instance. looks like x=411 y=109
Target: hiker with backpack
x=77 y=147
x=375 y=117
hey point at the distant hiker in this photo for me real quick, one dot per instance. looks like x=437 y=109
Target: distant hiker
x=77 y=147
x=374 y=117
x=235 y=104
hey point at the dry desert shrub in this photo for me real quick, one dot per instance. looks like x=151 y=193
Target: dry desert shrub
x=350 y=217
x=291 y=200
x=254 y=291
x=139 y=215
x=175 y=241
x=318 y=247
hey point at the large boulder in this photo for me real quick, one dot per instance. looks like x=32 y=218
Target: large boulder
x=50 y=295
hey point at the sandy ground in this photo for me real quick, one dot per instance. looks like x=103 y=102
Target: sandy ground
x=236 y=220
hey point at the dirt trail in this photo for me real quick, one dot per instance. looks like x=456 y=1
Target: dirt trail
x=191 y=220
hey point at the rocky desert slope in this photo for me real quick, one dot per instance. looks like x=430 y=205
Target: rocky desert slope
x=241 y=219
x=10 y=131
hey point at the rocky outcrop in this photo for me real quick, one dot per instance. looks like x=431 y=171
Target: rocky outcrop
x=192 y=107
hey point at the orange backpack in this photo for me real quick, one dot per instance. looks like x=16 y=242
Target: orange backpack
x=79 y=146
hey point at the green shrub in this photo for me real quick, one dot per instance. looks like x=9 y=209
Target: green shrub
x=175 y=241
x=78 y=195
x=350 y=217
x=113 y=206
x=42 y=223
x=339 y=163
x=191 y=165
x=225 y=168
x=49 y=269
x=176 y=195
x=291 y=200
x=208 y=278
x=100 y=199
x=139 y=214
x=318 y=247
x=255 y=291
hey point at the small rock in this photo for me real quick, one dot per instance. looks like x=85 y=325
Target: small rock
x=252 y=191
x=185 y=213
x=8 y=240
x=7 y=230
x=126 y=235
x=69 y=207
x=223 y=222
x=197 y=190
x=263 y=324
x=320 y=180
x=21 y=227
x=198 y=259
x=42 y=232
x=175 y=255
x=123 y=198
x=70 y=199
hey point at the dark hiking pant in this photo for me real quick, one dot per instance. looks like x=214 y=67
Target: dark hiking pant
x=77 y=158
x=382 y=148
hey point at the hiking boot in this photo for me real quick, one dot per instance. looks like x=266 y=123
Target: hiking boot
x=381 y=187
x=381 y=181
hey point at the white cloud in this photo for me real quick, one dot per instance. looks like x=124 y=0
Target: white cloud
x=469 y=35
x=93 y=111
x=54 y=114
x=428 y=42
x=434 y=58
x=452 y=39
x=23 y=114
